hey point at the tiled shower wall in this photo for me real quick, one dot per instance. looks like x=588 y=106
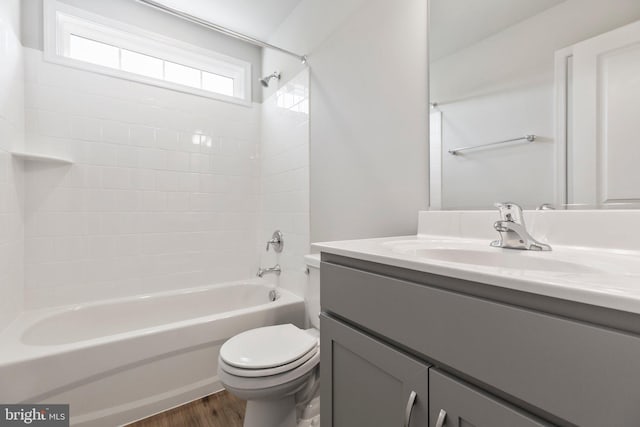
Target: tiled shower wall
x=11 y=174
x=285 y=179
x=163 y=192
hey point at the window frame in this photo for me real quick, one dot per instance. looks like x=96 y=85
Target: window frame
x=62 y=20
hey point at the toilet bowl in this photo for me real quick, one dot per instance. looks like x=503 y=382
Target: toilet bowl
x=276 y=368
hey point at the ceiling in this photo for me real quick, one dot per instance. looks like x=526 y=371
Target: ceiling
x=456 y=24
x=256 y=18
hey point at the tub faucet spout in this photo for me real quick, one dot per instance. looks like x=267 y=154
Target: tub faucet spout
x=275 y=270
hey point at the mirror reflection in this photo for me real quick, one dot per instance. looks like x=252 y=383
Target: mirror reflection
x=534 y=101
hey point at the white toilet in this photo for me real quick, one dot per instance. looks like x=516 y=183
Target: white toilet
x=276 y=368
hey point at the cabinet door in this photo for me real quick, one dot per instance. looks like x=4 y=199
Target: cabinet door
x=366 y=383
x=456 y=404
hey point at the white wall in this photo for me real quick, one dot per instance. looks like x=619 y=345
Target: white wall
x=143 y=208
x=502 y=87
x=306 y=28
x=368 y=129
x=11 y=171
x=284 y=197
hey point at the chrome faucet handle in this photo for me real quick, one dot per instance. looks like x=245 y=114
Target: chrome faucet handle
x=546 y=207
x=510 y=211
x=277 y=241
x=512 y=230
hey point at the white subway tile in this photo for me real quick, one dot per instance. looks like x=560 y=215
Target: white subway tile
x=178 y=201
x=69 y=248
x=115 y=132
x=101 y=247
x=127 y=156
x=61 y=224
x=127 y=200
x=53 y=124
x=213 y=183
x=65 y=200
x=144 y=179
x=117 y=178
x=94 y=222
x=40 y=250
x=152 y=158
x=191 y=141
x=102 y=154
x=178 y=161
x=167 y=139
x=127 y=245
x=99 y=200
x=86 y=129
x=93 y=176
x=153 y=201
x=200 y=163
x=177 y=181
x=142 y=136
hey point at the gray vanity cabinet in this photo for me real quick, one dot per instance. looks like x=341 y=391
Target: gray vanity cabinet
x=526 y=358
x=367 y=383
x=457 y=404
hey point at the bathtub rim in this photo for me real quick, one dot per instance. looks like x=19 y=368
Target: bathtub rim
x=16 y=351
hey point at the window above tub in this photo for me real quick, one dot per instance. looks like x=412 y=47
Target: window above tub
x=77 y=38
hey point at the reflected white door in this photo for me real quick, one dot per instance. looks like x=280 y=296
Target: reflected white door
x=604 y=150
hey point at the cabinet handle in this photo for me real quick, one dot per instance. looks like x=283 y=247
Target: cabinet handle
x=409 y=408
x=442 y=416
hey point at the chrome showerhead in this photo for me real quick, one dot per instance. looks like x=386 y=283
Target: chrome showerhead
x=265 y=80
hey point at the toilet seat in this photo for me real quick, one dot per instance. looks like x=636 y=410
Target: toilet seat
x=256 y=373
x=265 y=385
x=267 y=347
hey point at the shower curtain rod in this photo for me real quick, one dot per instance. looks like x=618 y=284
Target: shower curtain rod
x=219 y=28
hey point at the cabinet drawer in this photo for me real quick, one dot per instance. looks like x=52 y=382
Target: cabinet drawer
x=463 y=405
x=584 y=374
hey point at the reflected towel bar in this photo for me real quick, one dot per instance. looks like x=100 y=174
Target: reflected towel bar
x=528 y=138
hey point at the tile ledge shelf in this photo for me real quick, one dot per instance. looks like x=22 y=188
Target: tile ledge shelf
x=40 y=158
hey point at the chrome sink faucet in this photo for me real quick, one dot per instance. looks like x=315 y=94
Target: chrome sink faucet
x=275 y=270
x=513 y=231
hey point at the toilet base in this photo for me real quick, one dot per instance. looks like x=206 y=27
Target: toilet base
x=271 y=413
x=299 y=407
x=281 y=413
x=310 y=414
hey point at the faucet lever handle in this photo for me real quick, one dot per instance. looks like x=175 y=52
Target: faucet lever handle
x=510 y=211
x=277 y=240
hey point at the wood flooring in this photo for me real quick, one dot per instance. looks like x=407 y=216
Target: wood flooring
x=218 y=410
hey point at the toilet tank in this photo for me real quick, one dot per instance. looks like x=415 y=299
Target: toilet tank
x=312 y=294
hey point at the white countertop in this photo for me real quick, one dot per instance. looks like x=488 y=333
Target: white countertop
x=597 y=276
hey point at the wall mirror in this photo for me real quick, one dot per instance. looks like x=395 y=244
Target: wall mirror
x=534 y=101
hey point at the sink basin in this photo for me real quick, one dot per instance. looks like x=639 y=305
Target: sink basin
x=509 y=259
x=602 y=276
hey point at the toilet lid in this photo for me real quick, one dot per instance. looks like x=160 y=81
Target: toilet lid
x=257 y=373
x=267 y=347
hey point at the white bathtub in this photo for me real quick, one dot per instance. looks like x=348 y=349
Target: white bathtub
x=121 y=360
